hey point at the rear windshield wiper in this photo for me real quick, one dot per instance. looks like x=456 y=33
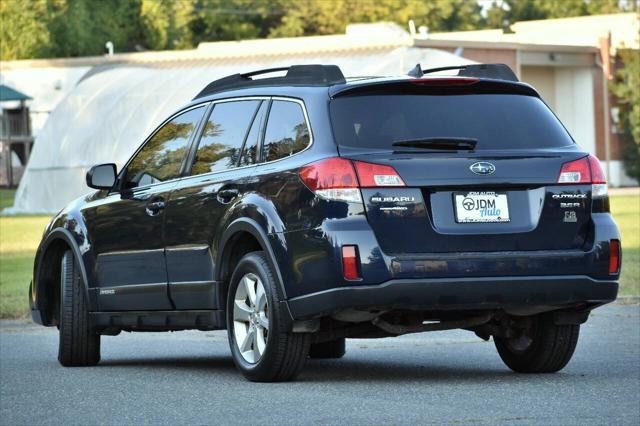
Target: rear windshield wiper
x=439 y=143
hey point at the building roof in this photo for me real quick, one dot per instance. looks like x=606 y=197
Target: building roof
x=359 y=39
x=577 y=34
x=576 y=31
x=9 y=94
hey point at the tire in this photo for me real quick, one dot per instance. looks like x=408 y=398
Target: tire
x=283 y=352
x=328 y=350
x=79 y=345
x=548 y=347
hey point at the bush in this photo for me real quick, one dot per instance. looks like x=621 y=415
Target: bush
x=626 y=88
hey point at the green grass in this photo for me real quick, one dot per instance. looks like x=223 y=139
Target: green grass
x=19 y=238
x=6 y=198
x=626 y=211
x=20 y=235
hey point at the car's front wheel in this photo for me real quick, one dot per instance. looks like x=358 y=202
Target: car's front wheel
x=262 y=348
x=79 y=344
x=543 y=347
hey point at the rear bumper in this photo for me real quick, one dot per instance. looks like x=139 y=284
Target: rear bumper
x=527 y=294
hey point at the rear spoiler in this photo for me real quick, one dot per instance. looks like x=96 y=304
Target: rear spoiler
x=492 y=71
x=434 y=85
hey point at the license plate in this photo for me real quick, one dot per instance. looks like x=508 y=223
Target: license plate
x=479 y=207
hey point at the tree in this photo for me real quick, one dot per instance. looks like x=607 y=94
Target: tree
x=312 y=17
x=213 y=20
x=23 y=30
x=503 y=13
x=163 y=24
x=626 y=88
x=82 y=27
x=59 y=28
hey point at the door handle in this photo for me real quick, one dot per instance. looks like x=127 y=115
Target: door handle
x=226 y=195
x=154 y=207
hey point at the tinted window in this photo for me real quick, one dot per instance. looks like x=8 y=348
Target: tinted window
x=287 y=131
x=161 y=157
x=223 y=135
x=250 y=150
x=497 y=121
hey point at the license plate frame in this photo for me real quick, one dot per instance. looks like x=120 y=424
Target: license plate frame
x=481 y=207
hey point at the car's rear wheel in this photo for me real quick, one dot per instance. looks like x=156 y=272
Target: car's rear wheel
x=79 y=344
x=262 y=349
x=543 y=347
x=328 y=350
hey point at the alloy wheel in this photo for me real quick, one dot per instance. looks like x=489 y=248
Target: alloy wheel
x=251 y=318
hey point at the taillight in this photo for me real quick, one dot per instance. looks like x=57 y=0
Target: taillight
x=341 y=179
x=585 y=170
x=350 y=263
x=375 y=175
x=333 y=178
x=598 y=182
x=614 y=256
x=597 y=174
x=575 y=172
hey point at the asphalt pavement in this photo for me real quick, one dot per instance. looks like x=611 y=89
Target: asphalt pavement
x=434 y=378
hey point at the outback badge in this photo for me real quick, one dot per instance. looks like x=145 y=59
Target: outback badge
x=482 y=168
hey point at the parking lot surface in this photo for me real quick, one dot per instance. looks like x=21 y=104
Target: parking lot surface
x=441 y=378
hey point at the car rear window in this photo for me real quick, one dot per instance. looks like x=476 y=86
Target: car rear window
x=497 y=121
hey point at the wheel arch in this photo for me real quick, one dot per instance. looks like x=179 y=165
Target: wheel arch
x=244 y=235
x=46 y=288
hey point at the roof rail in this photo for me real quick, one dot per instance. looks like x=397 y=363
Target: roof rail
x=493 y=71
x=297 y=75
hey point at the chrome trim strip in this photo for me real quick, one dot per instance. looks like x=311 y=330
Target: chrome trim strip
x=128 y=252
x=130 y=287
x=206 y=282
x=188 y=248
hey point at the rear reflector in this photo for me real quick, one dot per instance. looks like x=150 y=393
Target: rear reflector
x=350 y=263
x=614 y=256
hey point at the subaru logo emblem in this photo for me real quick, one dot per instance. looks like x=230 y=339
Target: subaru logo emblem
x=482 y=168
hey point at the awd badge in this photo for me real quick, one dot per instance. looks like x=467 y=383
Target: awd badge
x=570 y=216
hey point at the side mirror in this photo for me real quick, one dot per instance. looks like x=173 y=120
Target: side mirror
x=102 y=176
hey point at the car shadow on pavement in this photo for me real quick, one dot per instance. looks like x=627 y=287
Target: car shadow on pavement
x=370 y=370
x=203 y=363
x=342 y=370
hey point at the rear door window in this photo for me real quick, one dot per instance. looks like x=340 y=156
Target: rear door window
x=223 y=135
x=497 y=121
x=287 y=132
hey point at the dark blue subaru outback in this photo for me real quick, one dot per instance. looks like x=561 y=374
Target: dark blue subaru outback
x=300 y=209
